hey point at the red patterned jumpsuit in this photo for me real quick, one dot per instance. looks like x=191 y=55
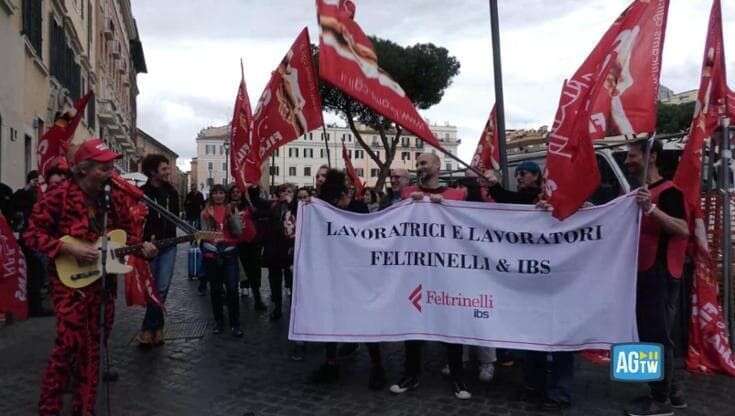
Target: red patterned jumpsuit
x=66 y=210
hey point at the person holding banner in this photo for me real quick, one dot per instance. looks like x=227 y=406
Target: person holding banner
x=662 y=246
x=554 y=391
x=334 y=191
x=427 y=166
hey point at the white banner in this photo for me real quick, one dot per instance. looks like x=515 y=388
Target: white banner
x=496 y=275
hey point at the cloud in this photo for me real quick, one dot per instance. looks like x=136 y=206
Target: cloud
x=193 y=53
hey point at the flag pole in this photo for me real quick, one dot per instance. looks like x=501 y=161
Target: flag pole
x=321 y=115
x=499 y=103
x=725 y=160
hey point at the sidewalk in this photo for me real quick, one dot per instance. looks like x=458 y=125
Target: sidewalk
x=197 y=373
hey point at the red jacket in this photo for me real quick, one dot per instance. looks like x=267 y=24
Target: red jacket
x=64 y=210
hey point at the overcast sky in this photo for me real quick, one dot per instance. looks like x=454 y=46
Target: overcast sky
x=192 y=50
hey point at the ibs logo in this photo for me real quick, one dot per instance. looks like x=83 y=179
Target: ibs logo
x=481 y=305
x=637 y=362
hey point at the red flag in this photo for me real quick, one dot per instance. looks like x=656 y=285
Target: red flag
x=348 y=61
x=709 y=347
x=12 y=274
x=354 y=178
x=487 y=154
x=289 y=107
x=240 y=137
x=711 y=105
x=54 y=144
x=613 y=92
x=129 y=189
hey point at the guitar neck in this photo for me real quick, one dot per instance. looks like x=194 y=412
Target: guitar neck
x=124 y=251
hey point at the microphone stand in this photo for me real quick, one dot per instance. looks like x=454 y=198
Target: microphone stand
x=104 y=369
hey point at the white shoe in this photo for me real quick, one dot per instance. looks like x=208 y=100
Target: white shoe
x=487 y=372
x=445 y=371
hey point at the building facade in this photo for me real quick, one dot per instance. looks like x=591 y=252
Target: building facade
x=298 y=161
x=53 y=52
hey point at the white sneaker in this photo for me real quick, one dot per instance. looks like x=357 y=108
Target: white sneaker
x=445 y=371
x=487 y=372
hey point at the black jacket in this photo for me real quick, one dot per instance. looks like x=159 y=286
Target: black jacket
x=156 y=227
x=193 y=205
x=503 y=196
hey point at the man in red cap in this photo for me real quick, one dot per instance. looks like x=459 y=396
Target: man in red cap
x=75 y=207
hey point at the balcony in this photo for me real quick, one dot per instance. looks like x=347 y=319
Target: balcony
x=106 y=111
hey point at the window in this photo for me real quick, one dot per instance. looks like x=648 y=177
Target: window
x=377 y=154
x=448 y=166
x=62 y=64
x=224 y=181
x=349 y=138
x=419 y=144
x=321 y=153
x=307 y=171
x=28 y=153
x=210 y=166
x=417 y=155
x=292 y=171
x=274 y=171
x=360 y=172
x=91 y=113
x=310 y=153
x=293 y=152
x=221 y=150
x=359 y=154
x=405 y=156
x=405 y=142
x=32 y=18
x=374 y=173
x=224 y=167
x=311 y=136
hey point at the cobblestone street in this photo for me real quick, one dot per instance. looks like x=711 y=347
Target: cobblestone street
x=198 y=373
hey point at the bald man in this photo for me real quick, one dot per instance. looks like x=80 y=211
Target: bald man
x=427 y=168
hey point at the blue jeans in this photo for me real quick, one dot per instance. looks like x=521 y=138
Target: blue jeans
x=550 y=373
x=162 y=269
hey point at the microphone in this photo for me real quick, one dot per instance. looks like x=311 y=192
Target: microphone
x=107 y=201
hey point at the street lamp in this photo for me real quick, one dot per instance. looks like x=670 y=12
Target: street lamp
x=226 y=145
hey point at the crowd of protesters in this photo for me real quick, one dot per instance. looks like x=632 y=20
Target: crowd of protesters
x=256 y=231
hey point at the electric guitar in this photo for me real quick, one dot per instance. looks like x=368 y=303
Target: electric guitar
x=77 y=275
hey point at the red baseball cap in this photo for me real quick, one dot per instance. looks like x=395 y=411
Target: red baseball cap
x=95 y=149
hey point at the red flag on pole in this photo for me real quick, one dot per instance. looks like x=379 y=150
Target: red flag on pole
x=711 y=105
x=614 y=92
x=709 y=347
x=289 y=107
x=487 y=154
x=54 y=144
x=348 y=61
x=352 y=174
x=240 y=137
x=12 y=274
